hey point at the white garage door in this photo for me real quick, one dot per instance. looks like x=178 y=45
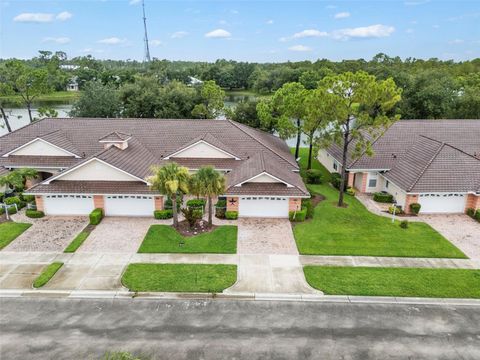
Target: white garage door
x=442 y=203
x=68 y=204
x=263 y=207
x=129 y=205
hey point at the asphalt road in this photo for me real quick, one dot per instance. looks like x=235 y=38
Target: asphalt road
x=36 y=328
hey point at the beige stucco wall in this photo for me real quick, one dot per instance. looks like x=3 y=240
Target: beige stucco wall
x=327 y=160
x=202 y=150
x=399 y=195
x=42 y=148
x=97 y=170
x=264 y=178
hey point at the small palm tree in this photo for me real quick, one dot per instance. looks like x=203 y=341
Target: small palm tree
x=169 y=180
x=17 y=178
x=211 y=183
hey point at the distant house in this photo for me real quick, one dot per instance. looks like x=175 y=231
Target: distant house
x=435 y=163
x=69 y=67
x=73 y=84
x=192 y=81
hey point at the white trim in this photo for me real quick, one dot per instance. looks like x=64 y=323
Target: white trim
x=204 y=142
x=114 y=141
x=264 y=173
x=268 y=195
x=34 y=167
x=49 y=180
x=365 y=170
x=45 y=141
x=91 y=194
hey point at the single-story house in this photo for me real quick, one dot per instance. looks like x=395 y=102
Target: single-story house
x=105 y=163
x=435 y=163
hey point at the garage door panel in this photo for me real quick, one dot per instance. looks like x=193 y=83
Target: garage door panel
x=442 y=203
x=68 y=204
x=129 y=205
x=275 y=207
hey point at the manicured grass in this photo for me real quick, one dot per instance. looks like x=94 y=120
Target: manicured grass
x=356 y=231
x=47 y=274
x=165 y=239
x=409 y=282
x=9 y=231
x=75 y=244
x=52 y=97
x=179 y=277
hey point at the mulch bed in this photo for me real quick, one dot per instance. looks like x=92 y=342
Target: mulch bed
x=316 y=199
x=200 y=228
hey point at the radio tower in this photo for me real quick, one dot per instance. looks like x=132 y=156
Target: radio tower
x=147 y=50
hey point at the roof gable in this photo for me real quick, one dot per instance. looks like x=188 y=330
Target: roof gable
x=206 y=147
x=40 y=147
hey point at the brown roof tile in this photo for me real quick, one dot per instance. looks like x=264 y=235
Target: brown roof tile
x=91 y=187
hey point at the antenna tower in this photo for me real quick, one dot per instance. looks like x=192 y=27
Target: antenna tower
x=146 y=57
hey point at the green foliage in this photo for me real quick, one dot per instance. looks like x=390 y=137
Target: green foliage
x=34 y=214
x=96 y=216
x=12 y=200
x=415 y=208
x=470 y=212
x=398 y=210
x=196 y=203
x=211 y=105
x=231 y=215
x=168 y=203
x=477 y=215
x=192 y=215
x=351 y=191
x=163 y=214
x=313 y=176
x=9 y=231
x=308 y=206
x=97 y=100
x=336 y=180
x=122 y=355
x=16 y=179
x=47 y=274
x=404 y=224
x=245 y=112
x=297 y=216
x=221 y=208
x=28 y=198
x=77 y=242
x=383 y=197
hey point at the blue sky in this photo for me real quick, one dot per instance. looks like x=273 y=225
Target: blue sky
x=242 y=30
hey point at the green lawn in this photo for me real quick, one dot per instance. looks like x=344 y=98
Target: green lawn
x=57 y=96
x=47 y=274
x=356 y=231
x=410 y=282
x=75 y=244
x=179 y=277
x=165 y=239
x=9 y=231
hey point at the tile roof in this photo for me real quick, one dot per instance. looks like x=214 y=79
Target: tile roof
x=91 y=187
x=115 y=136
x=209 y=138
x=272 y=189
x=39 y=161
x=3 y=171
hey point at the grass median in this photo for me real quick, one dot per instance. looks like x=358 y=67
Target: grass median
x=47 y=274
x=404 y=282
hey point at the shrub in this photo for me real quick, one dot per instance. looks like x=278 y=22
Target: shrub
x=21 y=204
x=28 y=198
x=196 y=203
x=308 y=206
x=383 y=197
x=221 y=208
x=351 y=191
x=471 y=212
x=336 y=180
x=398 y=209
x=313 y=176
x=192 y=215
x=231 y=215
x=404 y=224
x=477 y=215
x=2 y=210
x=96 y=216
x=12 y=210
x=12 y=200
x=415 y=208
x=163 y=214
x=298 y=216
x=34 y=214
x=168 y=203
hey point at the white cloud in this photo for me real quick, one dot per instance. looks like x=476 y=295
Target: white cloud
x=34 y=17
x=305 y=34
x=133 y=2
x=301 y=48
x=112 y=41
x=63 y=16
x=58 y=40
x=179 y=34
x=364 y=32
x=456 y=41
x=342 y=15
x=155 y=42
x=269 y=22
x=218 y=34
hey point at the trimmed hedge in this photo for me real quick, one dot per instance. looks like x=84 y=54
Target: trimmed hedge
x=415 y=208
x=231 y=215
x=351 y=191
x=163 y=214
x=382 y=197
x=397 y=211
x=404 y=224
x=471 y=212
x=96 y=216
x=298 y=216
x=313 y=176
x=308 y=206
x=196 y=203
x=221 y=208
x=12 y=200
x=28 y=198
x=477 y=215
x=168 y=203
x=336 y=180
x=34 y=214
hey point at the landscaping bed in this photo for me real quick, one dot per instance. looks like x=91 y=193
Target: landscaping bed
x=179 y=277
x=405 y=282
x=165 y=239
x=9 y=231
x=355 y=231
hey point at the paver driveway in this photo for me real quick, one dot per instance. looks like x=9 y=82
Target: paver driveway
x=48 y=234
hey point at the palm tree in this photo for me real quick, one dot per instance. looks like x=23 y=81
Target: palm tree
x=17 y=178
x=212 y=183
x=169 y=180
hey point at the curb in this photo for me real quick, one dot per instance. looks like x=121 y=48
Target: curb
x=125 y=294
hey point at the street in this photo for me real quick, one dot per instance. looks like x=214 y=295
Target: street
x=167 y=329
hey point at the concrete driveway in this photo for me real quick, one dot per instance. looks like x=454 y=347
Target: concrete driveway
x=460 y=229
x=47 y=234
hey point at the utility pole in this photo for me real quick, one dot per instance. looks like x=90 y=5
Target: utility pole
x=147 y=49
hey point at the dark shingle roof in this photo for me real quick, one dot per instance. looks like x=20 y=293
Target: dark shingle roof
x=91 y=187
x=39 y=161
x=115 y=136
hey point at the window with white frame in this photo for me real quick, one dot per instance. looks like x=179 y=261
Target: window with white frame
x=372 y=181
